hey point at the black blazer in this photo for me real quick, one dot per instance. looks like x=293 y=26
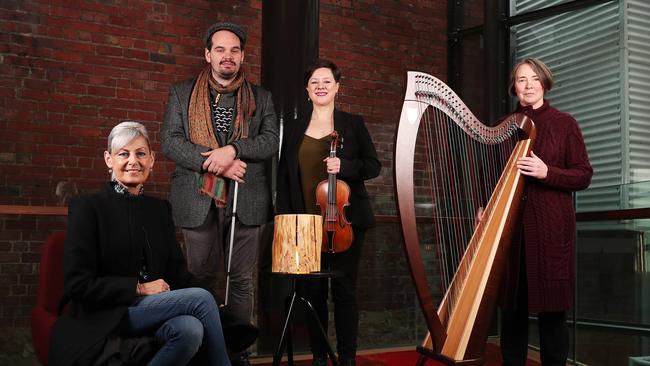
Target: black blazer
x=358 y=163
x=106 y=238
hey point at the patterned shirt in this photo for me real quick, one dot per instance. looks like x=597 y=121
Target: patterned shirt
x=223 y=114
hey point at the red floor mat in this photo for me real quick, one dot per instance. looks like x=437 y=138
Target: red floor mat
x=409 y=358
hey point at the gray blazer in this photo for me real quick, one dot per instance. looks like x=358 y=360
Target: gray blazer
x=189 y=207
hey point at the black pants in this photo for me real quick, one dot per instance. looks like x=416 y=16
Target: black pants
x=344 y=296
x=553 y=332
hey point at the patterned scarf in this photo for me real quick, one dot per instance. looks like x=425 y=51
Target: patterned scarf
x=119 y=188
x=202 y=129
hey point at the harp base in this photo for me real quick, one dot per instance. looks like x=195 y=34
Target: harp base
x=427 y=353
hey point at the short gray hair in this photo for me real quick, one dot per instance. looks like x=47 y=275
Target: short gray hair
x=124 y=133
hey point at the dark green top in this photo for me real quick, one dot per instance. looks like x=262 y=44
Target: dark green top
x=312 y=168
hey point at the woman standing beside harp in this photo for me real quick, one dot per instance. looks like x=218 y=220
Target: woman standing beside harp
x=521 y=254
x=539 y=276
x=305 y=161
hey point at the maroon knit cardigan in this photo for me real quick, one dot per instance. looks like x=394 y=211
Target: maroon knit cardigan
x=548 y=218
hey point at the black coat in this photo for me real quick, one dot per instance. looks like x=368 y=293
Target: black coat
x=108 y=234
x=358 y=163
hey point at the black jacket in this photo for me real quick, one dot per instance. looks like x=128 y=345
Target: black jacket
x=108 y=235
x=358 y=163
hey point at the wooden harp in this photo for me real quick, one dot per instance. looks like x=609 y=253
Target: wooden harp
x=463 y=165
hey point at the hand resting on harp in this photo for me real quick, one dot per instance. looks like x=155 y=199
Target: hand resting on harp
x=479 y=216
x=532 y=166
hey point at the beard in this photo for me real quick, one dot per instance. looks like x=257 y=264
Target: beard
x=228 y=73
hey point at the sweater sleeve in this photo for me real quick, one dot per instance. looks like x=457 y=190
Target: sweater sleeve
x=82 y=283
x=577 y=171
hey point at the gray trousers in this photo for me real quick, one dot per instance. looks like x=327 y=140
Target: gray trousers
x=206 y=249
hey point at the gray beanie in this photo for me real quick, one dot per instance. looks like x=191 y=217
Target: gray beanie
x=231 y=27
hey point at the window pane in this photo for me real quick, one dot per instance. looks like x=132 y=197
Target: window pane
x=583 y=49
x=524 y=6
x=471 y=69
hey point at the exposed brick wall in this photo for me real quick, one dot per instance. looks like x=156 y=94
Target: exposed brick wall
x=70 y=70
x=375 y=43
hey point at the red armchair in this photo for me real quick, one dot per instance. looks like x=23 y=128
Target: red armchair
x=50 y=290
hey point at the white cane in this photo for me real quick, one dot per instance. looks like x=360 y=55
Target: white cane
x=232 y=237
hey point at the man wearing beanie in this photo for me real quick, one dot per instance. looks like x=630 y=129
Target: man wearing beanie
x=220 y=129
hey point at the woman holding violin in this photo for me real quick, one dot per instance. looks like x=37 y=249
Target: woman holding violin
x=306 y=161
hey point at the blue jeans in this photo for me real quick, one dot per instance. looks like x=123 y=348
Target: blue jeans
x=182 y=320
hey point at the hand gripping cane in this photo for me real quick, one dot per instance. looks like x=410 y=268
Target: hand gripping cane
x=232 y=238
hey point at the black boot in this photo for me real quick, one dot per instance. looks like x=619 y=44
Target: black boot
x=240 y=359
x=319 y=360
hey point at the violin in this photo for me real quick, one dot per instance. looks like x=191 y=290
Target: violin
x=332 y=195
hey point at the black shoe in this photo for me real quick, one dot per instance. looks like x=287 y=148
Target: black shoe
x=347 y=361
x=241 y=360
x=319 y=361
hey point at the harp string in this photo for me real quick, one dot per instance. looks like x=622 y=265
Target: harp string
x=462 y=173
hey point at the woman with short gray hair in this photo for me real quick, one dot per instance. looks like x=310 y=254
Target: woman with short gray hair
x=125 y=274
